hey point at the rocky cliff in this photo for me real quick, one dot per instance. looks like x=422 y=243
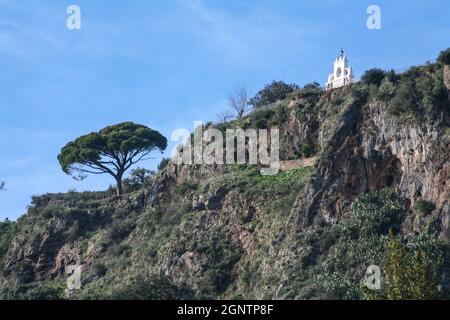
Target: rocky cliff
x=228 y=232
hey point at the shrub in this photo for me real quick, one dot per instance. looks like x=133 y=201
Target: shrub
x=412 y=271
x=164 y=162
x=119 y=250
x=99 y=269
x=392 y=76
x=7 y=231
x=373 y=213
x=373 y=76
x=404 y=100
x=46 y=291
x=277 y=90
x=306 y=150
x=186 y=187
x=312 y=86
x=138 y=178
x=152 y=288
x=120 y=231
x=386 y=90
x=425 y=207
x=434 y=94
x=444 y=57
x=261 y=118
x=281 y=114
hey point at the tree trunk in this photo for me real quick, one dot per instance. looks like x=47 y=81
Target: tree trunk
x=119 y=188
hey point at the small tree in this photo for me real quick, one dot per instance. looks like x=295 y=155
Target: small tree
x=112 y=150
x=277 y=90
x=411 y=271
x=373 y=76
x=397 y=281
x=238 y=101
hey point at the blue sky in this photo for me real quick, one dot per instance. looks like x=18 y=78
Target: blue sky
x=167 y=63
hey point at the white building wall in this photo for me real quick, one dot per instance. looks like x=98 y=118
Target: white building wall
x=342 y=73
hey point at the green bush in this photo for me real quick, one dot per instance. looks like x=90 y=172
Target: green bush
x=373 y=213
x=444 y=57
x=312 y=86
x=277 y=90
x=164 y=162
x=412 y=271
x=120 y=231
x=373 y=76
x=33 y=291
x=120 y=249
x=306 y=150
x=425 y=207
x=152 y=288
x=421 y=93
x=281 y=114
x=392 y=76
x=260 y=119
x=404 y=101
x=99 y=269
x=138 y=179
x=46 y=291
x=8 y=230
x=186 y=187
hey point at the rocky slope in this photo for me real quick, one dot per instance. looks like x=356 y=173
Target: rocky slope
x=228 y=232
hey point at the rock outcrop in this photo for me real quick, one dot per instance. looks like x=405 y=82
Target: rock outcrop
x=227 y=231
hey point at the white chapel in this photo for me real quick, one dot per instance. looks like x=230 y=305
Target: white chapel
x=342 y=74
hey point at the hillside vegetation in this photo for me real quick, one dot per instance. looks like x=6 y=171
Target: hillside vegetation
x=378 y=195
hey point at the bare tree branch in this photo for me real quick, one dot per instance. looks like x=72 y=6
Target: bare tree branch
x=238 y=101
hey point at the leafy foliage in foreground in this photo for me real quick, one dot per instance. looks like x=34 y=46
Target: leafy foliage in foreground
x=413 y=268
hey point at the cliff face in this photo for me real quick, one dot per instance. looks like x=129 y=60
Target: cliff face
x=226 y=231
x=372 y=150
